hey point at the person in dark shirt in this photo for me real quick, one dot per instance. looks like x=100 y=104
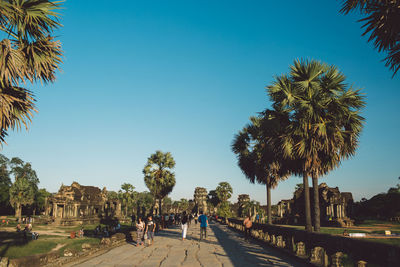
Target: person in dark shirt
x=150 y=228
x=184 y=224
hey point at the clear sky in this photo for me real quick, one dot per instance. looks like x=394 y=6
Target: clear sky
x=184 y=77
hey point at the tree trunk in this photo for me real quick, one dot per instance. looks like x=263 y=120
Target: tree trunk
x=269 y=212
x=307 y=207
x=317 y=212
x=18 y=212
x=159 y=206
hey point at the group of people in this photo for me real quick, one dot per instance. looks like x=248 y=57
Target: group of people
x=145 y=231
x=145 y=228
x=27 y=230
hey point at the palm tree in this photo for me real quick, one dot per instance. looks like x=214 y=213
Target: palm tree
x=159 y=178
x=127 y=196
x=381 y=22
x=259 y=156
x=224 y=191
x=28 y=53
x=325 y=122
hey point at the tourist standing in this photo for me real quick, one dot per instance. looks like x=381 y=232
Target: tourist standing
x=247 y=227
x=150 y=228
x=203 y=220
x=139 y=231
x=184 y=225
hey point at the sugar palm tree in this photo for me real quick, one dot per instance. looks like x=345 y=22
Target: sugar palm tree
x=158 y=175
x=259 y=158
x=28 y=53
x=381 y=22
x=325 y=121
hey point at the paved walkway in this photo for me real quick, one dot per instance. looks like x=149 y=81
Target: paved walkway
x=223 y=247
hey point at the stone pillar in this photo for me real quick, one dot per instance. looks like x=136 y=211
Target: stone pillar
x=54 y=209
x=300 y=249
x=337 y=259
x=361 y=264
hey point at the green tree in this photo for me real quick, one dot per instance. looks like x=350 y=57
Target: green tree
x=25 y=187
x=224 y=210
x=28 y=53
x=21 y=193
x=381 y=23
x=183 y=204
x=224 y=191
x=158 y=175
x=5 y=184
x=325 y=122
x=144 y=203
x=213 y=198
x=258 y=150
x=40 y=199
x=127 y=196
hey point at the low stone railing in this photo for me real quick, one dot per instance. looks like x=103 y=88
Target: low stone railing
x=322 y=249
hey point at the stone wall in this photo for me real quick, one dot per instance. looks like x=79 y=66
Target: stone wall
x=323 y=249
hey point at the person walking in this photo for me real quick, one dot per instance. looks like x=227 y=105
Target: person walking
x=203 y=220
x=184 y=225
x=139 y=232
x=150 y=228
x=247 y=228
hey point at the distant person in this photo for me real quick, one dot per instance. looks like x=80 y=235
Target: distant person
x=247 y=228
x=150 y=228
x=166 y=219
x=203 y=220
x=139 y=232
x=196 y=218
x=257 y=218
x=184 y=225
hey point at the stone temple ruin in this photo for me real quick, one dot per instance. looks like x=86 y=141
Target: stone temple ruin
x=336 y=207
x=200 y=199
x=78 y=204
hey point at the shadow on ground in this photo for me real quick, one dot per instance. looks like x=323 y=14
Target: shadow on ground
x=253 y=253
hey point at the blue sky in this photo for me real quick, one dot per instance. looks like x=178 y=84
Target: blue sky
x=184 y=77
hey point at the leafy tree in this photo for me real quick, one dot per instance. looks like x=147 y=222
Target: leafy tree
x=224 y=191
x=325 y=122
x=213 y=198
x=251 y=208
x=224 y=210
x=183 y=204
x=24 y=177
x=28 y=53
x=144 y=203
x=258 y=150
x=40 y=199
x=21 y=193
x=5 y=184
x=127 y=196
x=158 y=177
x=381 y=22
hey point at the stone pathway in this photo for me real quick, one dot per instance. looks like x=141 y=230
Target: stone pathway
x=223 y=247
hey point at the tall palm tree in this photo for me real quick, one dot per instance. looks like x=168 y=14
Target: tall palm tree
x=381 y=22
x=325 y=121
x=28 y=53
x=158 y=175
x=259 y=158
x=127 y=196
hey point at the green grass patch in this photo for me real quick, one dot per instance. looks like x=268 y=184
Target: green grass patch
x=21 y=249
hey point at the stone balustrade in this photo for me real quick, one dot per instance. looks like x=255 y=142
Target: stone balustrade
x=322 y=249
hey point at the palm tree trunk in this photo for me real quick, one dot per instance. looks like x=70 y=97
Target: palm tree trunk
x=317 y=212
x=307 y=207
x=159 y=206
x=269 y=204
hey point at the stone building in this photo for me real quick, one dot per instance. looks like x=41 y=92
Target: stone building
x=336 y=207
x=200 y=199
x=81 y=204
